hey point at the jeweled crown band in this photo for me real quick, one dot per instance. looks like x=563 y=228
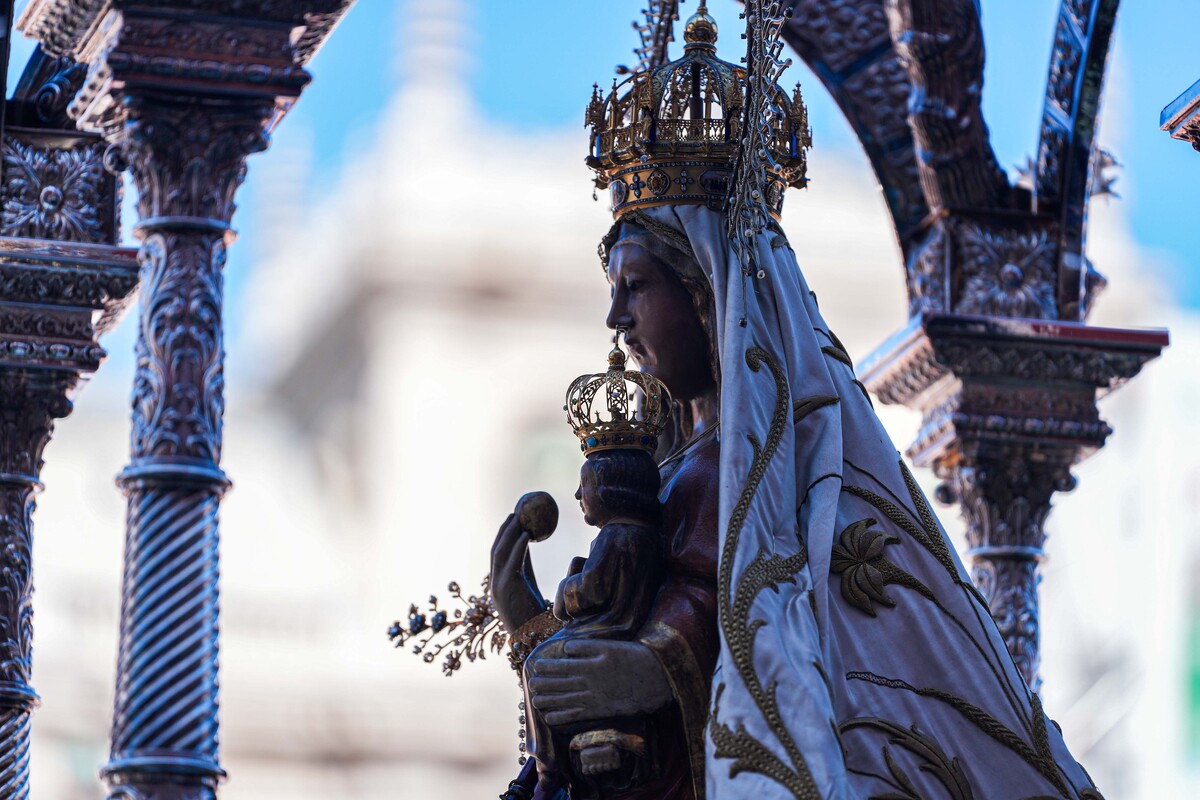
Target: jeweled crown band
x=696 y=182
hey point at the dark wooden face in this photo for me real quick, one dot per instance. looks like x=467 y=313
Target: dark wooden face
x=588 y=495
x=662 y=330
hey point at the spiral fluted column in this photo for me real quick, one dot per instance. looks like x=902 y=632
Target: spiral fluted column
x=31 y=403
x=187 y=159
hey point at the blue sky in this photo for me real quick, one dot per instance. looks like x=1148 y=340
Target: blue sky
x=534 y=61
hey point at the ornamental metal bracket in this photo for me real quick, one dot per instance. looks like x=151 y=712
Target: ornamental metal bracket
x=1009 y=407
x=1181 y=119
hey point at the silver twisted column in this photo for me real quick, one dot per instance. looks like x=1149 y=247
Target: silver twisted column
x=17 y=698
x=187 y=160
x=62 y=284
x=1005 y=493
x=26 y=423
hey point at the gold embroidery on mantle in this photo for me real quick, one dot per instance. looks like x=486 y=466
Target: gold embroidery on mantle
x=765 y=571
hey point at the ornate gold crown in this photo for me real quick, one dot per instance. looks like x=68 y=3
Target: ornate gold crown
x=626 y=426
x=671 y=133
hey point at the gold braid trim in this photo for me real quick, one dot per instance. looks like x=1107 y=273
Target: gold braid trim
x=765 y=571
x=530 y=635
x=677 y=239
x=674 y=238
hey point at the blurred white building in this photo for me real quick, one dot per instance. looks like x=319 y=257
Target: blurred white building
x=399 y=384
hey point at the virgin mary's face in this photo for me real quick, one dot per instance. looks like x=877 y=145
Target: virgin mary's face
x=662 y=330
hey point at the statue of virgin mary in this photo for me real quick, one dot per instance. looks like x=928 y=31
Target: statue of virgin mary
x=816 y=635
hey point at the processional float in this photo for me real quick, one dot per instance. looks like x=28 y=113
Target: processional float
x=997 y=355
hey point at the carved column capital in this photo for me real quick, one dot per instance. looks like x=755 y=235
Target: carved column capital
x=32 y=401
x=188 y=158
x=1009 y=407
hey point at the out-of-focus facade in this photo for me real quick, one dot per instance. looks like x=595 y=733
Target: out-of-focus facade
x=398 y=384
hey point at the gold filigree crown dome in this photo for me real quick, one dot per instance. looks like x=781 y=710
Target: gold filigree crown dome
x=670 y=134
x=617 y=408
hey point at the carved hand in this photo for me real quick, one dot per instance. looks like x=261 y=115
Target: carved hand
x=514 y=586
x=582 y=680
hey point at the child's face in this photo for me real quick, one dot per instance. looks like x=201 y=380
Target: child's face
x=594 y=512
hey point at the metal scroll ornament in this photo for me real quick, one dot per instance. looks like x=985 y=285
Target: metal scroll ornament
x=656 y=33
x=474 y=629
x=758 y=158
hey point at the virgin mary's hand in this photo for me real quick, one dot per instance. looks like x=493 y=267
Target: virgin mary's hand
x=513 y=584
x=582 y=680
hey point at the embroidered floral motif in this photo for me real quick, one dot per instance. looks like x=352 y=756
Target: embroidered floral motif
x=933 y=760
x=866 y=572
x=1039 y=756
x=927 y=533
x=861 y=548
